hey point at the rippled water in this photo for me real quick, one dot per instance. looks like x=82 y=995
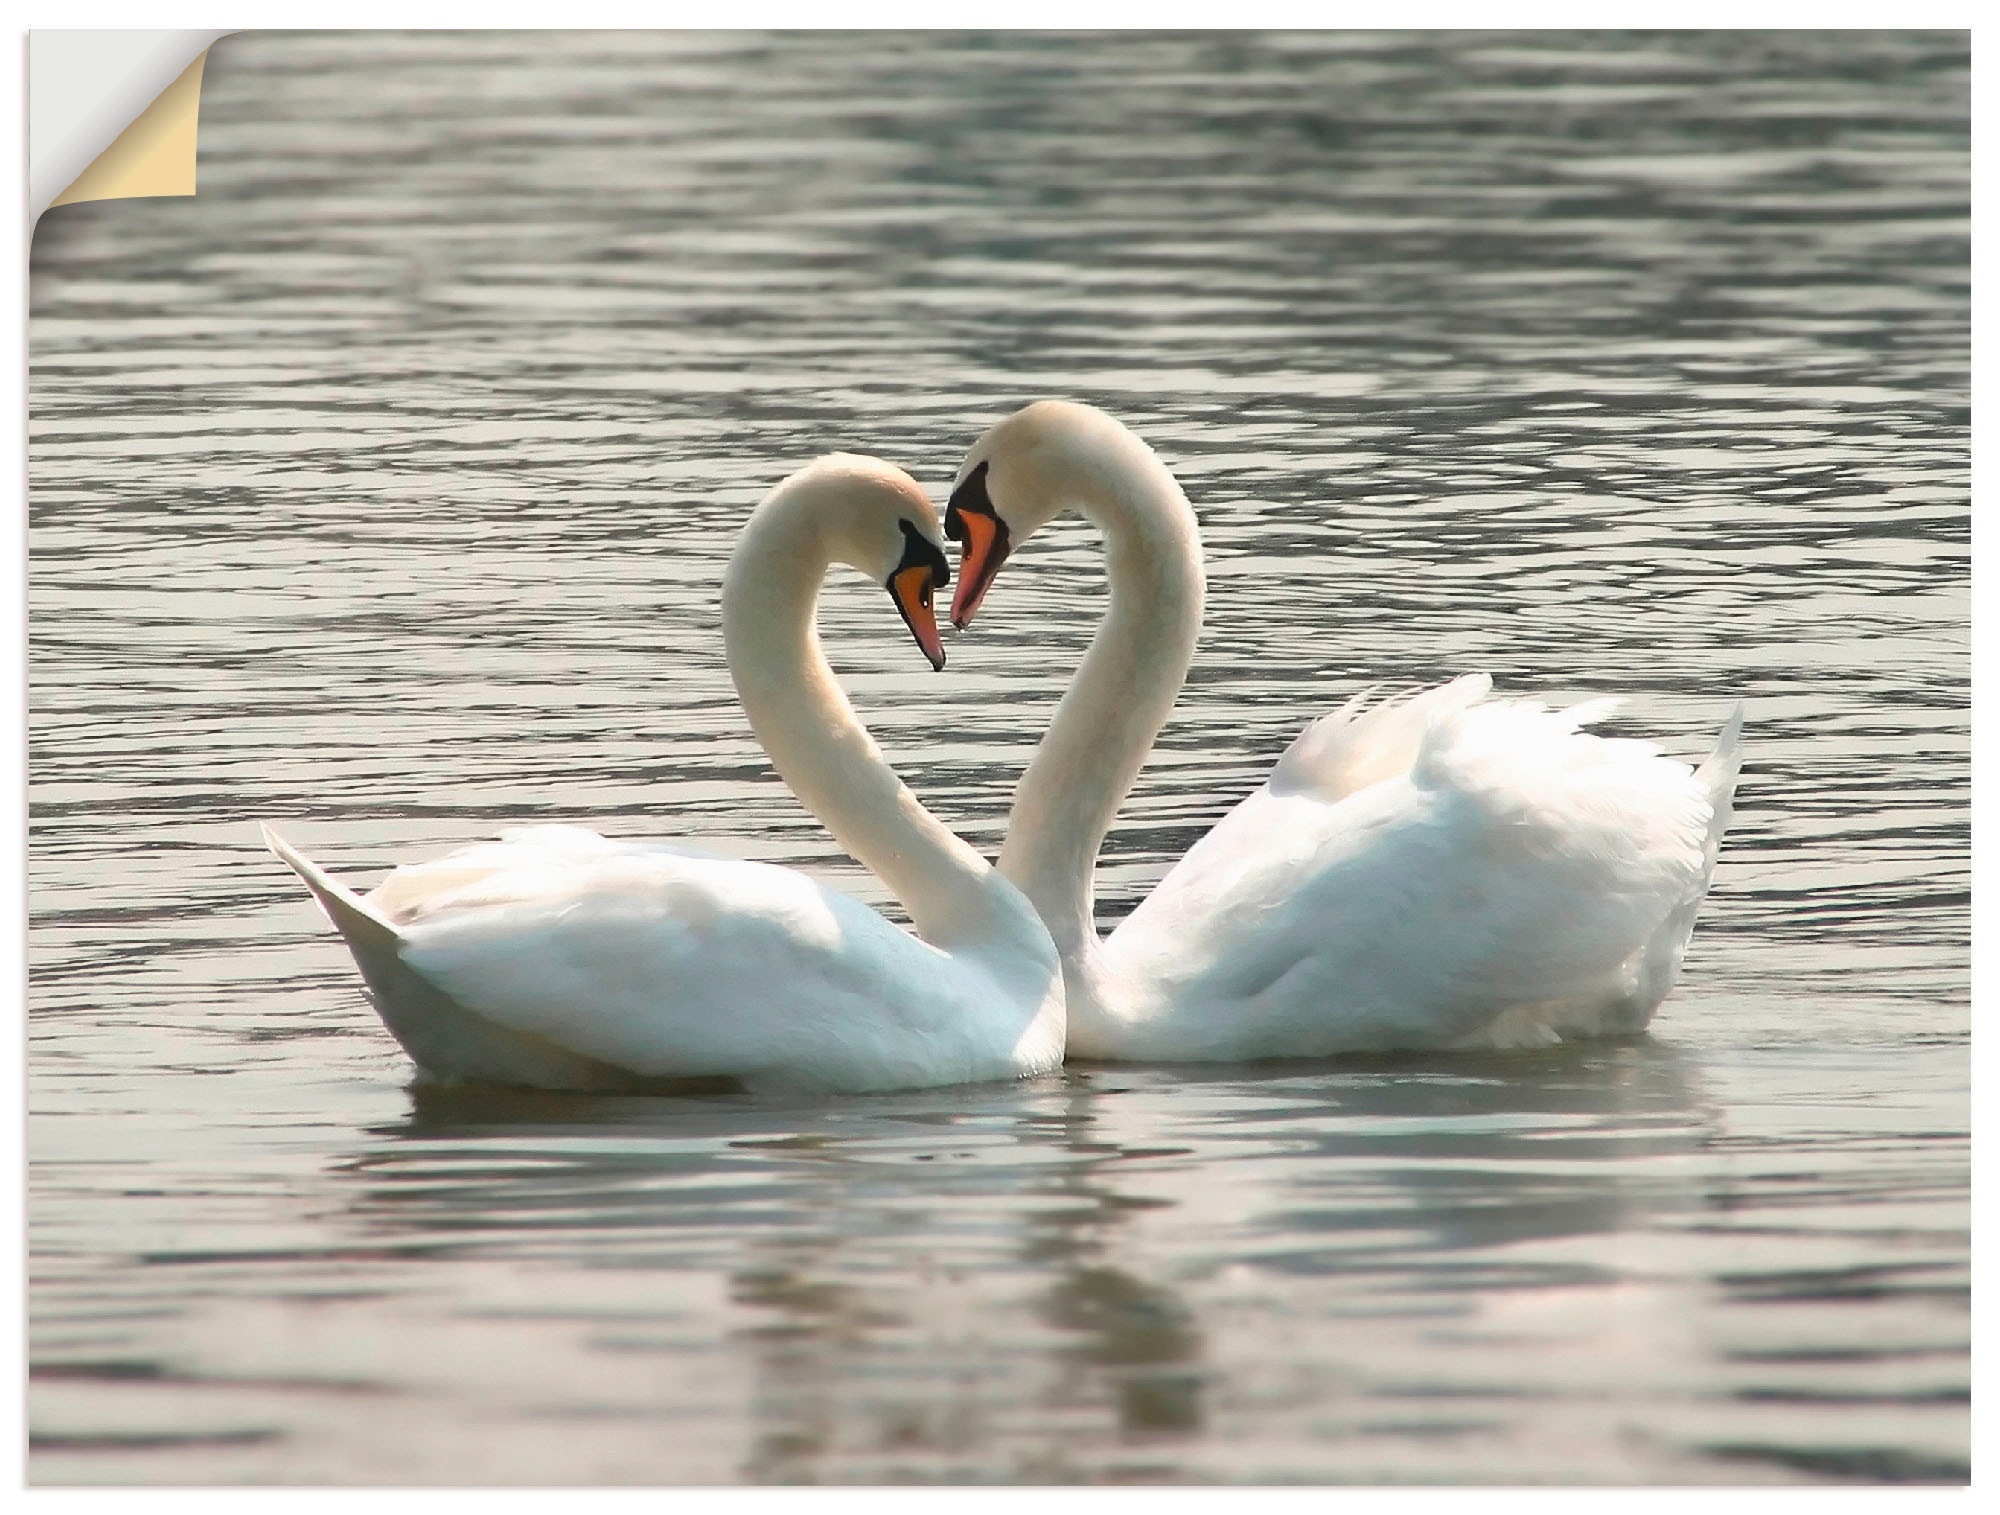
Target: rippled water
x=385 y=487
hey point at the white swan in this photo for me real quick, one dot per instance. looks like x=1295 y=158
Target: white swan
x=1439 y=870
x=557 y=958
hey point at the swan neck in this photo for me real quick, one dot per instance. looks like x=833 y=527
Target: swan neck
x=818 y=744
x=1125 y=688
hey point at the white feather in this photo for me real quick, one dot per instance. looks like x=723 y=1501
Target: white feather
x=1463 y=872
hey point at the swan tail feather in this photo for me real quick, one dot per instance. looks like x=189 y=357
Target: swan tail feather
x=1717 y=775
x=1660 y=965
x=447 y=1041
x=369 y=934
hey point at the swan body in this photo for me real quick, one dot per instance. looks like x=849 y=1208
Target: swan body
x=558 y=958
x=1499 y=878
x=1439 y=870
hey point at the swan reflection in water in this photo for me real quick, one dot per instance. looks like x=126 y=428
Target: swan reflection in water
x=1035 y=1281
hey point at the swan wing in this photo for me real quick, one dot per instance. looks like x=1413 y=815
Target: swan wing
x=1518 y=881
x=1350 y=748
x=1358 y=744
x=559 y=957
x=676 y=965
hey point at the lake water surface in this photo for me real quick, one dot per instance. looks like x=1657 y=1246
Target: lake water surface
x=384 y=489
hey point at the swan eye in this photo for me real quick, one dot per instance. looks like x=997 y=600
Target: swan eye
x=970 y=498
x=919 y=551
x=921 y=570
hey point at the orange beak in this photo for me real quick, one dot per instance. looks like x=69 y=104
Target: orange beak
x=983 y=548
x=910 y=588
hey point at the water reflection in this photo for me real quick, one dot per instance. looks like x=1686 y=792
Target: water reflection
x=1024 y=1278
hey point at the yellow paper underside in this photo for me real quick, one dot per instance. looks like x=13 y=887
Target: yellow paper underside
x=152 y=156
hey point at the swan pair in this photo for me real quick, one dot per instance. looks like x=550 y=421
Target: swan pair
x=1438 y=871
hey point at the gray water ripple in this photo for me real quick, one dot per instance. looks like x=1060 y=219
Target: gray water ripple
x=384 y=489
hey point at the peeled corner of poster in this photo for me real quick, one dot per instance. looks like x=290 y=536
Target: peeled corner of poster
x=113 y=115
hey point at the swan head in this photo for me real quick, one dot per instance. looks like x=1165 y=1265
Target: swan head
x=872 y=516
x=1017 y=478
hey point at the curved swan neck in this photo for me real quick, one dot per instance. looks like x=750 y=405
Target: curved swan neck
x=817 y=743
x=1129 y=679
